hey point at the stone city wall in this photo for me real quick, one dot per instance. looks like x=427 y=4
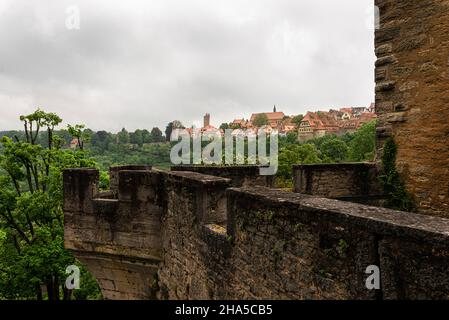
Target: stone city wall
x=355 y=182
x=186 y=235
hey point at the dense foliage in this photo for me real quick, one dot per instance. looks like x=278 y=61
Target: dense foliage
x=398 y=197
x=356 y=147
x=108 y=149
x=32 y=255
x=260 y=120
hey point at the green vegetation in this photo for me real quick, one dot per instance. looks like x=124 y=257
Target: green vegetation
x=356 y=147
x=398 y=197
x=362 y=146
x=144 y=147
x=138 y=147
x=230 y=239
x=225 y=126
x=297 y=120
x=32 y=255
x=342 y=246
x=296 y=154
x=260 y=120
x=156 y=154
x=172 y=126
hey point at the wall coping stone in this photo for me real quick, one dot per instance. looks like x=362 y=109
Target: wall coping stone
x=195 y=178
x=334 y=165
x=382 y=221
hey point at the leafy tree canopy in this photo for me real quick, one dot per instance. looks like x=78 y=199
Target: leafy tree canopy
x=260 y=120
x=32 y=254
x=297 y=119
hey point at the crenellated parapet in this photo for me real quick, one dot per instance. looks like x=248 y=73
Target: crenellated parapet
x=116 y=236
x=242 y=175
x=355 y=182
x=109 y=231
x=186 y=235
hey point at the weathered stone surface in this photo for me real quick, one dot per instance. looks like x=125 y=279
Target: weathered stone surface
x=384 y=49
x=416 y=34
x=80 y=187
x=396 y=117
x=380 y=74
x=120 y=277
x=113 y=174
x=385 y=60
x=385 y=86
x=185 y=235
x=245 y=175
x=356 y=182
x=114 y=233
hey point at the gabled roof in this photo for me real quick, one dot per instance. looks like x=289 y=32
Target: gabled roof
x=349 y=124
x=209 y=128
x=367 y=117
x=346 y=110
x=321 y=120
x=271 y=116
x=239 y=121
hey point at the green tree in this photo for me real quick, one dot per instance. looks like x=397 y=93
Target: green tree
x=32 y=251
x=172 y=126
x=334 y=150
x=123 y=137
x=178 y=125
x=260 y=120
x=79 y=134
x=224 y=126
x=292 y=137
x=362 y=146
x=296 y=154
x=101 y=140
x=136 y=137
x=297 y=120
x=156 y=135
x=146 y=136
x=308 y=154
x=168 y=131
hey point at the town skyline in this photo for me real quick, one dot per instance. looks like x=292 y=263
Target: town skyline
x=212 y=124
x=311 y=124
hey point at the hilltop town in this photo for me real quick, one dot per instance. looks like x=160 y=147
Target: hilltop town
x=314 y=124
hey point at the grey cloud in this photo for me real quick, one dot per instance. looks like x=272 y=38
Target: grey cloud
x=140 y=63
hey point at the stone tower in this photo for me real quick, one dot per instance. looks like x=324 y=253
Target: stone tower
x=412 y=85
x=206 y=120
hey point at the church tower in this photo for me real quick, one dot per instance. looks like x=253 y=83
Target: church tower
x=206 y=120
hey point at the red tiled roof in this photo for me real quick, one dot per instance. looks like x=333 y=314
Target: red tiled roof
x=321 y=120
x=347 y=110
x=367 y=117
x=238 y=121
x=209 y=128
x=348 y=124
x=272 y=116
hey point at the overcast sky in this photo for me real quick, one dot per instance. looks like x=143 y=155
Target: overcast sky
x=139 y=64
